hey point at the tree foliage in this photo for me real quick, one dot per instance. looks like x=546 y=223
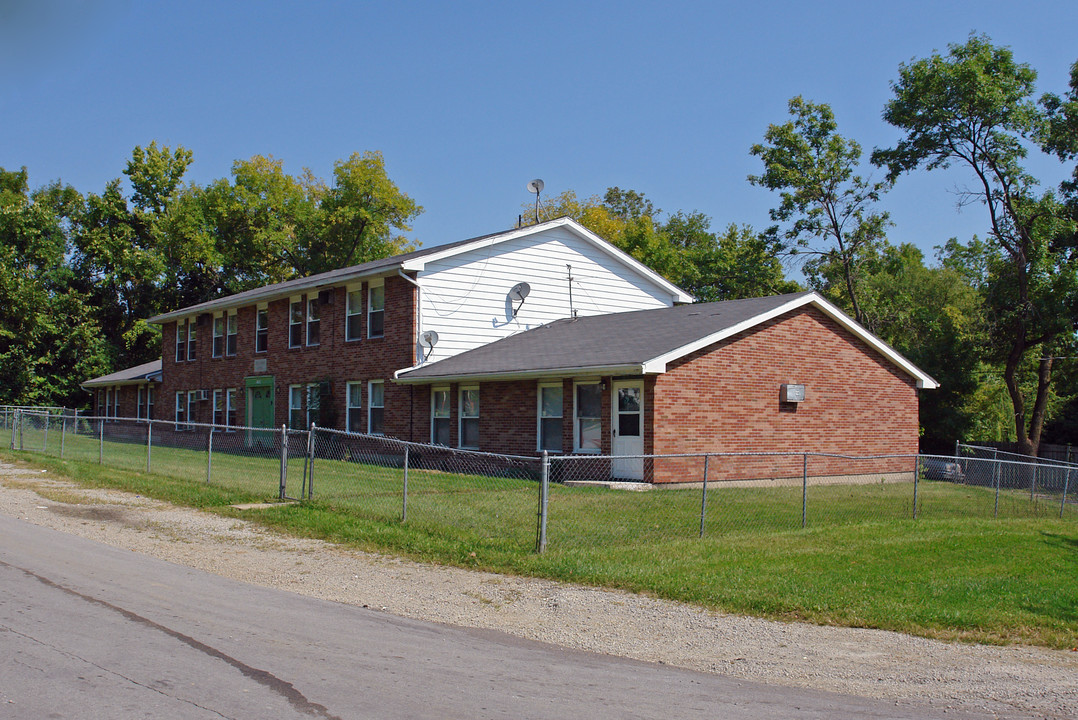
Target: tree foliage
x=825 y=205
x=974 y=107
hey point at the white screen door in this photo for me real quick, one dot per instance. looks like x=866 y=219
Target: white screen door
x=627 y=410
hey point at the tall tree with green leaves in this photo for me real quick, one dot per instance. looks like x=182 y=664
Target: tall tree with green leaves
x=974 y=107
x=826 y=207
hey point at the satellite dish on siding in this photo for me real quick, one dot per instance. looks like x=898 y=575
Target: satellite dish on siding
x=519 y=293
x=535 y=187
x=428 y=339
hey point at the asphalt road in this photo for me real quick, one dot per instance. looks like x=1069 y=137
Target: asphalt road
x=90 y=631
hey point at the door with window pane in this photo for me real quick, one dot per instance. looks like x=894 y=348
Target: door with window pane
x=627 y=410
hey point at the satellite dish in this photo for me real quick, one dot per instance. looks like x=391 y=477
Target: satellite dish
x=428 y=339
x=535 y=186
x=518 y=294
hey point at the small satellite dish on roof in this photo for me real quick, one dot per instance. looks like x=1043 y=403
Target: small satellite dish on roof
x=428 y=339
x=518 y=294
x=535 y=187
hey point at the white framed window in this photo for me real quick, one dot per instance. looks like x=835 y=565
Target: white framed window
x=313 y=321
x=218 y=348
x=116 y=401
x=440 y=416
x=230 y=408
x=376 y=403
x=353 y=314
x=192 y=407
x=468 y=432
x=295 y=322
x=262 y=330
x=232 y=333
x=551 y=414
x=588 y=417
x=192 y=333
x=295 y=407
x=376 y=309
x=314 y=404
x=181 y=410
x=354 y=419
x=149 y=402
x=181 y=342
x=140 y=410
x=218 y=407
x=108 y=403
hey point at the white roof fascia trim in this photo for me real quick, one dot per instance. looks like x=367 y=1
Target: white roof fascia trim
x=636 y=369
x=658 y=364
x=679 y=295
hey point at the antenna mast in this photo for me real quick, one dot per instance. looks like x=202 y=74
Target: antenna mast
x=572 y=311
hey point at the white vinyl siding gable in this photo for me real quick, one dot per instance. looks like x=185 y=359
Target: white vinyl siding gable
x=464 y=296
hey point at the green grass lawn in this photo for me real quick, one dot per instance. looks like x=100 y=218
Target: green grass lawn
x=955 y=572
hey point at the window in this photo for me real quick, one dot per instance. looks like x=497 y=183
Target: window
x=353 y=315
x=190 y=340
x=295 y=323
x=295 y=407
x=376 y=311
x=469 y=418
x=192 y=398
x=233 y=332
x=116 y=401
x=230 y=407
x=587 y=435
x=376 y=409
x=149 y=402
x=550 y=417
x=108 y=403
x=139 y=408
x=314 y=404
x=439 y=420
x=218 y=407
x=218 y=346
x=313 y=321
x=354 y=421
x=262 y=330
x=181 y=413
x=181 y=342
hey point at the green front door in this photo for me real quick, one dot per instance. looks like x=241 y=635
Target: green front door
x=260 y=410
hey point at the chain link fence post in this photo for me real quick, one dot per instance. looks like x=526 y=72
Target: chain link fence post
x=916 y=478
x=100 y=441
x=1066 y=485
x=22 y=429
x=804 y=489
x=149 y=443
x=63 y=433
x=544 y=487
x=1033 y=484
x=284 y=459
x=703 y=498
x=404 y=501
x=14 y=419
x=996 y=473
x=311 y=440
x=45 y=442
x=209 y=455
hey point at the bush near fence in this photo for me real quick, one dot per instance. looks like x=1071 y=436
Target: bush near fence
x=519 y=502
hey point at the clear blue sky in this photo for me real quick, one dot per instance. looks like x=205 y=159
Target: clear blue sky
x=468 y=101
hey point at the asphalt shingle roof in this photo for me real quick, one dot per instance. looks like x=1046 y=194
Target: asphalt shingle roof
x=601 y=341
x=133 y=374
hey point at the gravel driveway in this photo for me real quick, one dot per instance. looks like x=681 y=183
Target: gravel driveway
x=1007 y=681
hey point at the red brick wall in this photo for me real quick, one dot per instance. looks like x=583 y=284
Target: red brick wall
x=725 y=398
x=334 y=359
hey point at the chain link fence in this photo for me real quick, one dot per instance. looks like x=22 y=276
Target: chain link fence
x=567 y=501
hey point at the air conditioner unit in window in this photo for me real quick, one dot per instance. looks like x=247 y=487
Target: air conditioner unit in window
x=325 y=297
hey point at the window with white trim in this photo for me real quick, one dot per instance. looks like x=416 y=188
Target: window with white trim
x=181 y=342
x=191 y=337
x=295 y=323
x=230 y=408
x=376 y=400
x=262 y=330
x=149 y=402
x=468 y=432
x=181 y=412
x=354 y=419
x=439 y=416
x=116 y=401
x=218 y=348
x=139 y=400
x=232 y=333
x=218 y=407
x=107 y=412
x=295 y=407
x=314 y=404
x=588 y=418
x=313 y=320
x=192 y=407
x=353 y=315
x=551 y=417
x=376 y=310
